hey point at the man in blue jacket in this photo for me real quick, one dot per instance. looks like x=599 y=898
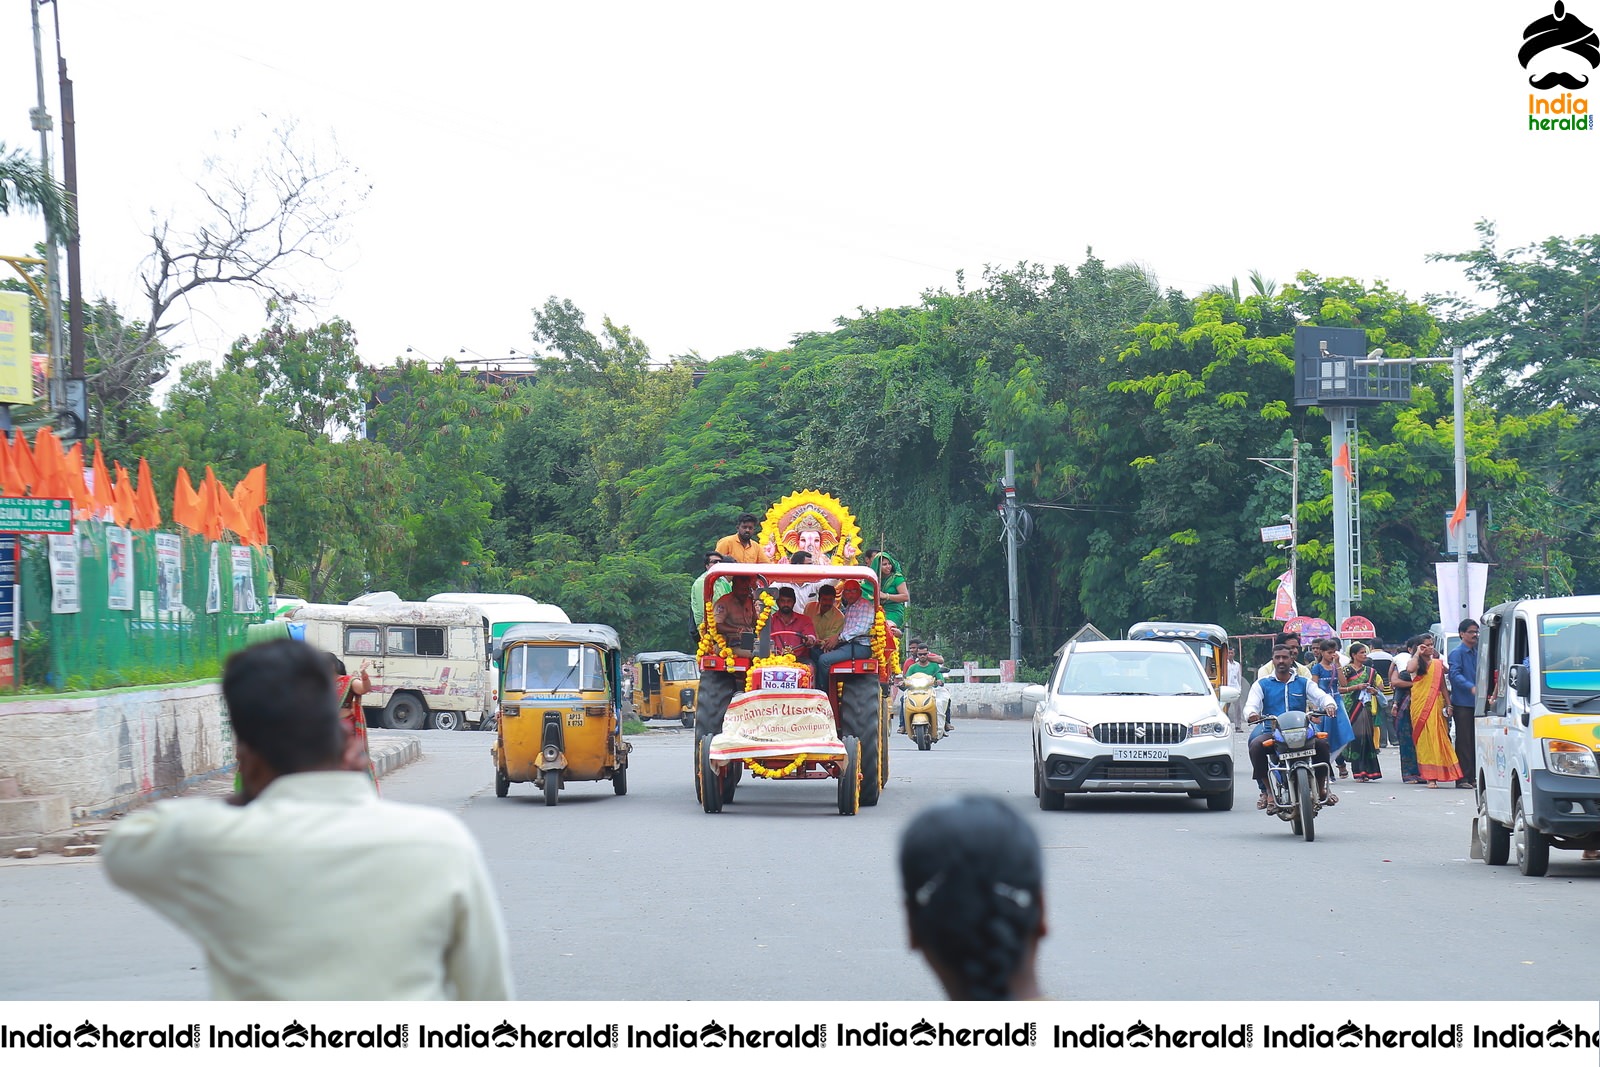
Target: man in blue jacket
x=1463 y=677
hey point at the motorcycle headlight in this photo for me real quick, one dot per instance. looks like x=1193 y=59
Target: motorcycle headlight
x=1295 y=738
x=1062 y=727
x=1569 y=757
x=1215 y=726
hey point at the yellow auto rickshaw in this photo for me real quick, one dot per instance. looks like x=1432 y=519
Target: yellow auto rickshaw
x=664 y=686
x=560 y=708
x=1207 y=640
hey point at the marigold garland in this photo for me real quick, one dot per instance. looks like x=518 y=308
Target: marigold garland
x=768 y=605
x=763 y=772
x=888 y=666
x=711 y=642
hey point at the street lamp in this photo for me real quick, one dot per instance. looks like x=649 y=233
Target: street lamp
x=1458 y=375
x=1293 y=459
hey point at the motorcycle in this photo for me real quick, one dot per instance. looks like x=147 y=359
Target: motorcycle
x=921 y=709
x=1292 y=770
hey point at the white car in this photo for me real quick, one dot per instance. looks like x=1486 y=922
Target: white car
x=1131 y=716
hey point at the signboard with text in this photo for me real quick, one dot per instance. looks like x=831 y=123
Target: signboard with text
x=25 y=515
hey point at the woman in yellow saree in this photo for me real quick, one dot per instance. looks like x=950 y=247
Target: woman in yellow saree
x=1436 y=758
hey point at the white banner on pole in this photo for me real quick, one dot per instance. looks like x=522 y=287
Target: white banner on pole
x=1450 y=597
x=63 y=574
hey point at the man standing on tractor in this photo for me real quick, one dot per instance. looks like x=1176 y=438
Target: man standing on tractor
x=741 y=547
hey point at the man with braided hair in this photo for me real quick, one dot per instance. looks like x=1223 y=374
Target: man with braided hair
x=973 y=875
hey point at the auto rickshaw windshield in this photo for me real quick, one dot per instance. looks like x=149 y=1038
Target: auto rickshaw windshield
x=681 y=670
x=547 y=669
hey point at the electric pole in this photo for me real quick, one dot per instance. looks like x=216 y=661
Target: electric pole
x=1010 y=517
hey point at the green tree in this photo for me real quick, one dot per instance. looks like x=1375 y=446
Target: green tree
x=27 y=186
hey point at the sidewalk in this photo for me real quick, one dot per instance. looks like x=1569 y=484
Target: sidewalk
x=390 y=750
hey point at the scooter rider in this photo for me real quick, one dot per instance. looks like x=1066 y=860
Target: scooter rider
x=1282 y=691
x=923 y=664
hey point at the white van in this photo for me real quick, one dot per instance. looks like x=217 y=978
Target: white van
x=429 y=663
x=504 y=610
x=1538 y=731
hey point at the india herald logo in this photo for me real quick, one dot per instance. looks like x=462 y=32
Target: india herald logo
x=1566 y=36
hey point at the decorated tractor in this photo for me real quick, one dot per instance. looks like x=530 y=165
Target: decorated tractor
x=775 y=698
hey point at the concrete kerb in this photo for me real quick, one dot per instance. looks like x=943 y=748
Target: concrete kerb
x=987 y=700
x=390 y=750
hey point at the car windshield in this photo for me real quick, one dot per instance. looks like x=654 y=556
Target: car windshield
x=681 y=670
x=1095 y=672
x=1569 y=653
x=543 y=669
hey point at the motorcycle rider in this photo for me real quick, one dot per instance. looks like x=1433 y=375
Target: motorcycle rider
x=923 y=664
x=1283 y=691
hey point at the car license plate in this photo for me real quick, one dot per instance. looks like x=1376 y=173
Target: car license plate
x=574 y=718
x=1130 y=755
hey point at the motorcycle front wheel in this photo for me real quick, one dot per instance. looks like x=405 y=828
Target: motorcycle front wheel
x=1307 y=801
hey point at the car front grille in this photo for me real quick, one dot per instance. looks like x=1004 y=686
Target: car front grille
x=1140 y=733
x=1141 y=772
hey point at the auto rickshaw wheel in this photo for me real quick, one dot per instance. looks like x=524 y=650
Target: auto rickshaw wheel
x=860 y=715
x=711 y=790
x=552 y=788
x=619 y=781
x=502 y=784
x=686 y=719
x=850 y=778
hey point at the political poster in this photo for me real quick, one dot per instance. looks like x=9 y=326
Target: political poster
x=213 y=584
x=169 y=572
x=64 y=574
x=119 y=569
x=244 y=581
x=16 y=349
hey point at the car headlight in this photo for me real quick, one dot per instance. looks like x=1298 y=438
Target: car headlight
x=1215 y=726
x=1061 y=727
x=1569 y=757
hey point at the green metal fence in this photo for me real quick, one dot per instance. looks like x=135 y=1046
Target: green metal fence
x=150 y=607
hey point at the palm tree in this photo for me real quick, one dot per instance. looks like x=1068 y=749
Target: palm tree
x=29 y=186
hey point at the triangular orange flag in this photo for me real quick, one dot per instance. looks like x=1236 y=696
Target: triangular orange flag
x=1459 y=515
x=82 y=503
x=51 y=464
x=1341 y=462
x=248 y=496
x=11 y=482
x=211 y=507
x=148 y=508
x=122 y=510
x=102 y=485
x=22 y=456
x=185 y=502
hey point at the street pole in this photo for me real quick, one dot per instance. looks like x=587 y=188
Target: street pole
x=1010 y=486
x=40 y=120
x=1458 y=371
x=1294 y=523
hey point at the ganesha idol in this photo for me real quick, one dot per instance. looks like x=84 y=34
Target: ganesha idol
x=810 y=522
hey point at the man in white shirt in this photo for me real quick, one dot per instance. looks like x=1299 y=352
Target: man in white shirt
x=304 y=885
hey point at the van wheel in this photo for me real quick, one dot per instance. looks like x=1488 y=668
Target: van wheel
x=446 y=720
x=1493 y=839
x=502 y=784
x=1533 y=848
x=404 y=712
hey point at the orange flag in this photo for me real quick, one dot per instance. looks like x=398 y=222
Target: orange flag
x=1341 y=462
x=82 y=503
x=249 y=496
x=147 y=508
x=1459 y=515
x=102 y=485
x=22 y=456
x=211 y=493
x=185 y=502
x=122 y=507
x=51 y=464
x=11 y=481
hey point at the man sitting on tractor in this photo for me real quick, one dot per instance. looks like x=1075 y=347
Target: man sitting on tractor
x=855 y=637
x=735 y=615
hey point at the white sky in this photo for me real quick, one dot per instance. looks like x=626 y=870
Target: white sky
x=723 y=176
